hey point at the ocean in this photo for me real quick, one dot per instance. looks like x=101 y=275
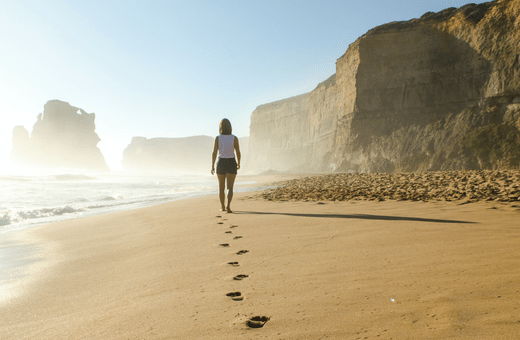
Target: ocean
x=32 y=199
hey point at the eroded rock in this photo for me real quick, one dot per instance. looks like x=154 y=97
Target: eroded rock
x=63 y=136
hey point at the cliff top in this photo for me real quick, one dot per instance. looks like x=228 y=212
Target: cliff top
x=330 y=81
x=472 y=12
x=283 y=101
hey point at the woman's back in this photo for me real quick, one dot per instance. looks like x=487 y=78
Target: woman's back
x=226 y=146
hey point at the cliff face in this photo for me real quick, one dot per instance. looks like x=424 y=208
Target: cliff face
x=420 y=95
x=61 y=137
x=326 y=105
x=278 y=136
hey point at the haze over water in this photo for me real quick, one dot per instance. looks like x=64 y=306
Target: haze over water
x=31 y=198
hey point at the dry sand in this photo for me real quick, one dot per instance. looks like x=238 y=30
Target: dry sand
x=327 y=270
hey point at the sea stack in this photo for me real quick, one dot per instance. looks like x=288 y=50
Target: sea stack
x=178 y=155
x=63 y=137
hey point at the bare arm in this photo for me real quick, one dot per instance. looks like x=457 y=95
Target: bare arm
x=214 y=156
x=237 y=151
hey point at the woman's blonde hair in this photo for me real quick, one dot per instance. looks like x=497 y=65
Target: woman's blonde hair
x=224 y=127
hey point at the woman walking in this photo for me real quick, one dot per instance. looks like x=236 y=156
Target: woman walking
x=226 y=144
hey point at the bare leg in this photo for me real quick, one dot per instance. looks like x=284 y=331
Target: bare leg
x=222 y=190
x=230 y=184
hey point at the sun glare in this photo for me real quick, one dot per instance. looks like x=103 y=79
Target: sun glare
x=7 y=123
x=113 y=155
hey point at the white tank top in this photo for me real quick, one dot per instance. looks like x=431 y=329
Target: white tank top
x=226 y=147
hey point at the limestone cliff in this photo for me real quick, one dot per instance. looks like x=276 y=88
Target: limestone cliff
x=278 y=136
x=63 y=136
x=435 y=93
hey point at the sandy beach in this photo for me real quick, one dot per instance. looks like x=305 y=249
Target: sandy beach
x=275 y=270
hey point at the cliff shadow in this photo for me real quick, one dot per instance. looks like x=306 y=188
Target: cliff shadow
x=413 y=77
x=359 y=216
x=409 y=82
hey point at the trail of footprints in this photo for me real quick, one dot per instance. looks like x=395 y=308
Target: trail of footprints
x=255 y=321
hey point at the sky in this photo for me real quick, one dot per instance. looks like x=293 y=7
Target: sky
x=174 y=68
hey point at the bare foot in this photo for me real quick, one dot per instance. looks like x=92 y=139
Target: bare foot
x=229 y=210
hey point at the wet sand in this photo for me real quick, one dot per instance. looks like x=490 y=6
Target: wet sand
x=279 y=270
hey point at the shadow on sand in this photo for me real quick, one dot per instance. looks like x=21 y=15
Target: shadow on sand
x=358 y=216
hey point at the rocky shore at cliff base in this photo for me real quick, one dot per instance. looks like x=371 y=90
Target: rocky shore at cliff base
x=481 y=185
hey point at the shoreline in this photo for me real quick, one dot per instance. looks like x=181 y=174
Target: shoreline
x=338 y=269
x=22 y=256
x=251 y=183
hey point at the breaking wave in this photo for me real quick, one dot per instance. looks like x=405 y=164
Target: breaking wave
x=12 y=216
x=33 y=199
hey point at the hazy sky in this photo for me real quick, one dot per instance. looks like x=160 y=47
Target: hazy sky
x=174 y=68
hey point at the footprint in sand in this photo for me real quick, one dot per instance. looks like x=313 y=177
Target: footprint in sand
x=234 y=264
x=257 y=321
x=237 y=296
x=220 y=222
x=233 y=226
x=218 y=216
x=240 y=277
x=229 y=232
x=224 y=244
x=242 y=252
x=237 y=237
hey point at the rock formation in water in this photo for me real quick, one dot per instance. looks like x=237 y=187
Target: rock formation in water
x=441 y=92
x=183 y=155
x=64 y=136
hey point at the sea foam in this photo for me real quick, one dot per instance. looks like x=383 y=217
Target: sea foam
x=12 y=216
